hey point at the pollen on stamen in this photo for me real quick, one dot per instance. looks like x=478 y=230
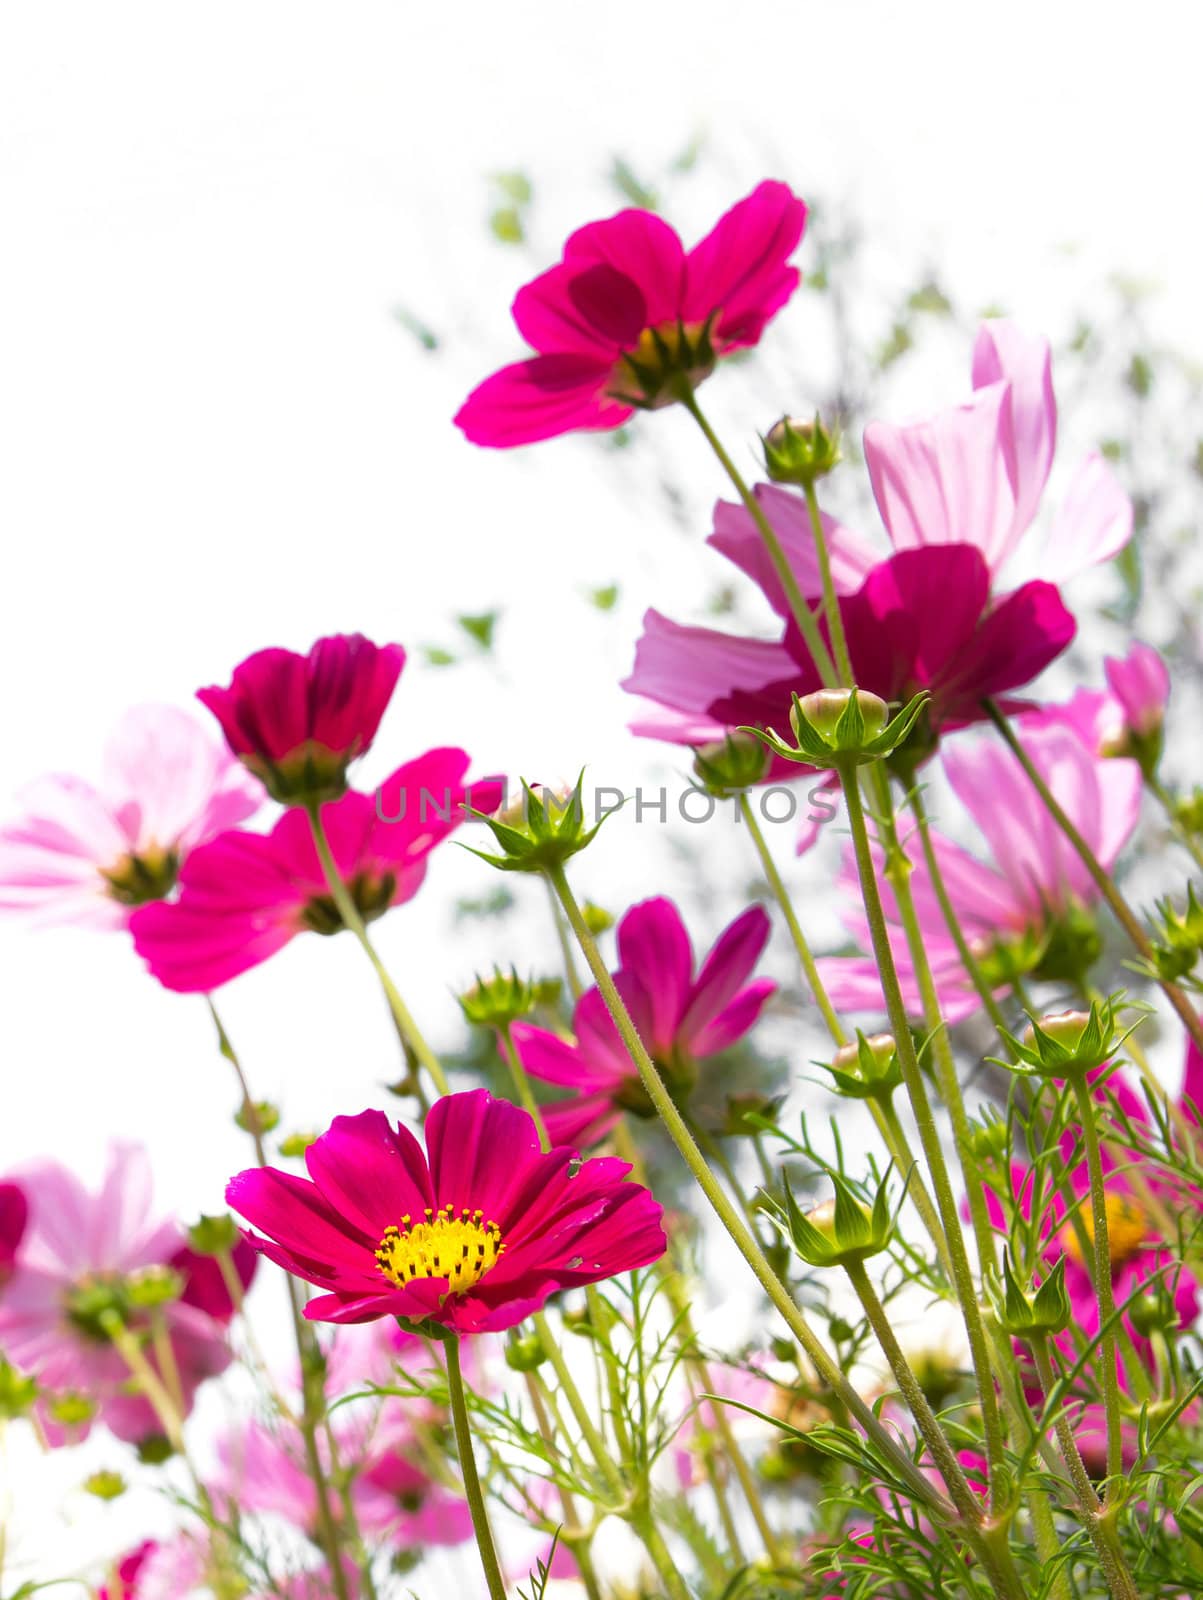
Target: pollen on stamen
x=459 y=1248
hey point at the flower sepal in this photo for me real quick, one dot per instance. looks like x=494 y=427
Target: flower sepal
x=497 y=1001
x=843 y=1231
x=801 y=452
x=541 y=831
x=730 y=766
x=866 y=1070
x=842 y=727
x=1067 y=1044
x=1042 y=1311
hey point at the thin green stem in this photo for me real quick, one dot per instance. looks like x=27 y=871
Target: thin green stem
x=521 y=1081
x=1101 y=878
x=467 y=1463
x=835 y=620
x=573 y=978
x=574 y=1536
x=1097 y=1521
x=661 y=1558
x=590 y=1432
x=929 y=1138
x=407 y=1029
x=1101 y=1268
x=799 y=608
x=744 y=1240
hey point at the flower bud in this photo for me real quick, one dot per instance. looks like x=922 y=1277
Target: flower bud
x=1042 y=1312
x=213 y=1235
x=296 y=1144
x=1154 y=1312
x=988 y=1138
x=540 y=831
x=842 y=1231
x=1067 y=1044
x=598 y=920
x=842 y=727
x=1181 y=936
x=746 y=1115
x=525 y=1354
x=105 y=1485
x=17 y=1391
x=730 y=766
x=71 y=1410
x=800 y=452
x=154 y=1286
x=259 y=1116
x=497 y=1001
x=868 y=1069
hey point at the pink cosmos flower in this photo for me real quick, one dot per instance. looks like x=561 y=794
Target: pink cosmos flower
x=630 y=319
x=1025 y=911
x=681 y=1018
x=124 y=1584
x=204 y=1284
x=89 y=854
x=474 y=1233
x=297 y=722
x=975 y=473
x=79 y=1258
x=924 y=619
x=246 y=895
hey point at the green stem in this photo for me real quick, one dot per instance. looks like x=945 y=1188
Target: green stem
x=1101 y=878
x=1098 y=1522
x=993 y=1551
x=467 y=1462
x=521 y=1081
x=929 y=1138
x=1101 y=1266
x=745 y=1242
x=575 y=987
x=590 y=1432
x=835 y=620
x=313 y=1398
x=884 y=1115
x=661 y=1558
x=407 y=1028
x=799 y=608
x=575 y=1536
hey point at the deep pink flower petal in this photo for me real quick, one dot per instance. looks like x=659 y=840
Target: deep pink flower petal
x=950 y=480
x=1019 y=637
x=941 y=594
x=1191 y=1098
x=654 y=947
x=582 y=1121
x=1003 y=353
x=553 y=320
x=553 y=1060
x=740 y=268
x=598 y=1038
x=14 y=1215
x=640 y=247
x=480 y=1151
x=726 y=968
x=370 y=1173
x=295 y=1216
x=734 y=1020
x=205 y=1286
x=1140 y=683
x=540 y=399
x=1093 y=523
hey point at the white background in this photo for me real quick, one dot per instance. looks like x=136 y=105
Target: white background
x=215 y=435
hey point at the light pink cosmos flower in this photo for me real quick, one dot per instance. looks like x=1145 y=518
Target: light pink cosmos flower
x=297 y=722
x=244 y=896
x=629 y=319
x=474 y=1233
x=973 y=474
x=90 y=853
x=682 y=1018
x=76 y=1261
x=1023 y=910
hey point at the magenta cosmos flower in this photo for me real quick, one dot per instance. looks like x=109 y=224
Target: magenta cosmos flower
x=1025 y=913
x=14 y=1218
x=297 y=722
x=80 y=1257
x=474 y=1233
x=246 y=895
x=630 y=319
x=1125 y=718
x=682 y=1018
x=89 y=854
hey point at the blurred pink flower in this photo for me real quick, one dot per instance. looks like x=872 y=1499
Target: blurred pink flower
x=1125 y=719
x=297 y=722
x=89 y=854
x=246 y=895
x=76 y=1262
x=629 y=319
x=14 y=1217
x=1021 y=908
x=681 y=1017
x=474 y=1233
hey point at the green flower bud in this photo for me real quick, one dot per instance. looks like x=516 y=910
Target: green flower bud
x=211 y=1235
x=540 y=831
x=525 y=1354
x=154 y=1286
x=70 y=1410
x=730 y=766
x=839 y=1232
x=154 y=1449
x=743 y=1112
x=988 y=1138
x=800 y=452
x=1045 y=1311
x=597 y=920
x=1180 y=937
x=105 y=1485
x=17 y=1391
x=258 y=1116
x=497 y=1001
x=1154 y=1312
x=842 y=727
x=1067 y=1044
x=296 y=1144
x=868 y=1069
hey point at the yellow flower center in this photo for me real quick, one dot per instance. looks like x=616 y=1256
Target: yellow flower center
x=459 y=1248
x=1127 y=1229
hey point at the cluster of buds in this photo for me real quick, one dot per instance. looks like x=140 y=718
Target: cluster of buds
x=800 y=452
x=840 y=1232
x=842 y=728
x=1180 y=937
x=540 y=831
